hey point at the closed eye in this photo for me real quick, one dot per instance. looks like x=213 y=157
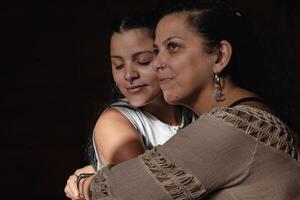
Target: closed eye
x=144 y=62
x=144 y=58
x=118 y=67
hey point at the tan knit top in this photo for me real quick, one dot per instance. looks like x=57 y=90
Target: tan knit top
x=228 y=153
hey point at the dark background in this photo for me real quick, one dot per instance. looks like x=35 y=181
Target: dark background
x=55 y=75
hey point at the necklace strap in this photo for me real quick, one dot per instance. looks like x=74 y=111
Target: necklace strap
x=246 y=99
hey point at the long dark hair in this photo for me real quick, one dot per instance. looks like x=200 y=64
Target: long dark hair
x=257 y=63
x=138 y=19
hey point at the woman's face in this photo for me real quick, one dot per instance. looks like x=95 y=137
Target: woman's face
x=131 y=57
x=187 y=69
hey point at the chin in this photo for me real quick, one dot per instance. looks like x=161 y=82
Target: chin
x=171 y=99
x=137 y=103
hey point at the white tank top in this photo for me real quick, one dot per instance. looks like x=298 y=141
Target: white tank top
x=151 y=130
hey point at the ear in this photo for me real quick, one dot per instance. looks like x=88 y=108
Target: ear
x=223 y=51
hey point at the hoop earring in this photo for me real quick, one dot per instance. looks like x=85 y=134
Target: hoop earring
x=219 y=96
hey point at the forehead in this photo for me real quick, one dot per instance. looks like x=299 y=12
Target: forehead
x=135 y=38
x=174 y=24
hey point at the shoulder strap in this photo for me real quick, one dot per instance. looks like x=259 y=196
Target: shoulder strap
x=246 y=99
x=122 y=103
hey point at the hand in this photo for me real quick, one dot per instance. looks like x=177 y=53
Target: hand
x=71 y=188
x=85 y=187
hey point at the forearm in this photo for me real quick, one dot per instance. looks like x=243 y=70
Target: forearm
x=188 y=166
x=129 y=180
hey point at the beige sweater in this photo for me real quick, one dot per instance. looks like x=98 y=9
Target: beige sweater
x=228 y=153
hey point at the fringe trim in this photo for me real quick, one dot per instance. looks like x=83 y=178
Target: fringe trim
x=100 y=188
x=180 y=184
x=262 y=125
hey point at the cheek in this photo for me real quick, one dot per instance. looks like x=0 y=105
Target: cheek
x=118 y=77
x=180 y=69
x=191 y=74
x=150 y=77
x=197 y=67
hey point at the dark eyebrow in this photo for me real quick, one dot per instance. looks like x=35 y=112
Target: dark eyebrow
x=135 y=55
x=113 y=56
x=170 y=38
x=167 y=40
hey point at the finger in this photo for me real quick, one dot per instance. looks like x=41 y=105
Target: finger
x=85 y=187
x=84 y=193
x=78 y=171
x=69 y=193
x=72 y=186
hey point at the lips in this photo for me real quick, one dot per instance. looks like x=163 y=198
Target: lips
x=136 y=88
x=164 y=80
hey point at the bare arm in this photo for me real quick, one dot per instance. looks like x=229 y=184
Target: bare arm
x=116 y=138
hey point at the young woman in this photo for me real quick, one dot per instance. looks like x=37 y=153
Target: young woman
x=237 y=149
x=142 y=119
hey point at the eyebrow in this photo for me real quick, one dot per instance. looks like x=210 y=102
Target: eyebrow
x=168 y=39
x=134 y=55
x=141 y=52
x=113 y=56
x=172 y=37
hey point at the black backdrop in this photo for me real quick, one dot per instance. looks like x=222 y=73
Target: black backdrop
x=55 y=75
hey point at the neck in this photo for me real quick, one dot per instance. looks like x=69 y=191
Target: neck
x=171 y=114
x=205 y=100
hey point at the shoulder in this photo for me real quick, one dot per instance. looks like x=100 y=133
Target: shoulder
x=122 y=103
x=236 y=123
x=243 y=113
x=112 y=120
x=132 y=113
x=116 y=138
x=261 y=125
x=246 y=118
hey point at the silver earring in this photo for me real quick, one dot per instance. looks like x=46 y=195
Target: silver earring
x=219 y=96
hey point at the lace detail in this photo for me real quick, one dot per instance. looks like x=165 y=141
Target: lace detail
x=262 y=125
x=99 y=187
x=180 y=184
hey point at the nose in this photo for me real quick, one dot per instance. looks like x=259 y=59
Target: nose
x=158 y=64
x=155 y=66
x=130 y=75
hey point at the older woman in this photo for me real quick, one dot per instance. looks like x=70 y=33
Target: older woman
x=237 y=149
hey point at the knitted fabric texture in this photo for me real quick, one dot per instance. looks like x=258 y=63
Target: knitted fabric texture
x=262 y=125
x=178 y=182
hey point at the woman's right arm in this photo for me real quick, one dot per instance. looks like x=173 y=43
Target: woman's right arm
x=116 y=140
